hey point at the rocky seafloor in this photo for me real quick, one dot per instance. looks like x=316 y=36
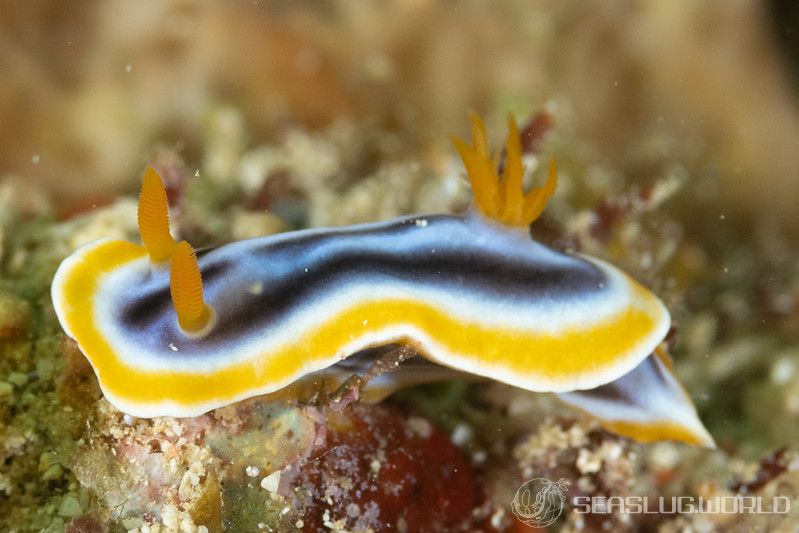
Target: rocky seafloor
x=680 y=172
x=438 y=457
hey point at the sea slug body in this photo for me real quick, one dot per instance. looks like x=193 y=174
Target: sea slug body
x=169 y=333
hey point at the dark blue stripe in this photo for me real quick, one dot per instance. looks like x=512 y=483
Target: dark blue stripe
x=460 y=255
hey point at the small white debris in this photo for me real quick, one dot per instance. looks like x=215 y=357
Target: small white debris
x=256 y=288
x=375 y=466
x=421 y=222
x=420 y=426
x=128 y=420
x=586 y=484
x=461 y=434
x=306 y=270
x=588 y=462
x=496 y=518
x=299 y=524
x=132 y=522
x=197 y=173
x=252 y=471
x=169 y=516
x=783 y=370
x=722 y=217
x=129 y=68
x=479 y=457
x=35 y=159
x=173 y=347
x=665 y=455
x=402 y=525
x=70 y=507
x=271 y=482
x=611 y=451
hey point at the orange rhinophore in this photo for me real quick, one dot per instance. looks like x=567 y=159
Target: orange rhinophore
x=186 y=287
x=502 y=198
x=153 y=217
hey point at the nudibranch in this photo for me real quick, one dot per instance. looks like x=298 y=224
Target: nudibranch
x=172 y=332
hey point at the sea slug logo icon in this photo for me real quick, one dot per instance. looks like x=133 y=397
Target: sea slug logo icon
x=539 y=502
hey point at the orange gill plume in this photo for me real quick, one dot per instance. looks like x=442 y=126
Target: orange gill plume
x=153 y=217
x=186 y=287
x=502 y=198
